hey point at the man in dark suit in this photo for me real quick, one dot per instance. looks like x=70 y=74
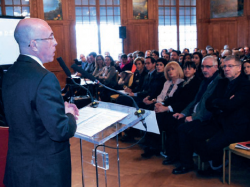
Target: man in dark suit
x=40 y=124
x=195 y=112
x=230 y=122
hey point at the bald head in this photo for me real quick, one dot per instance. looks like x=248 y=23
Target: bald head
x=35 y=37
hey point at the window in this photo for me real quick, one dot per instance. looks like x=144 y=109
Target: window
x=15 y=8
x=97 y=27
x=177 y=24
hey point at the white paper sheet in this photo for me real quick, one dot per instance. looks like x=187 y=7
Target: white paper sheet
x=93 y=120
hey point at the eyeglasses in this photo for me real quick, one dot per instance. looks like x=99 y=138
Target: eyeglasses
x=229 y=66
x=41 y=39
x=207 y=67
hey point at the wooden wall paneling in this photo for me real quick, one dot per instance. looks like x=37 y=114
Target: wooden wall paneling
x=216 y=35
x=224 y=35
x=242 y=32
x=232 y=38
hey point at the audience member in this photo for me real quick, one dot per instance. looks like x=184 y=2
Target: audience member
x=184 y=94
x=230 y=122
x=83 y=60
x=247 y=52
x=125 y=64
x=166 y=56
x=186 y=57
x=108 y=78
x=173 y=75
x=163 y=51
x=90 y=67
x=155 y=54
x=246 y=68
x=203 y=52
x=196 y=50
x=196 y=111
x=197 y=59
x=99 y=66
x=185 y=51
x=147 y=53
x=174 y=56
x=139 y=76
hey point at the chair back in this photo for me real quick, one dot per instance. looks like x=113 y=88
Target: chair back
x=130 y=82
x=4 y=137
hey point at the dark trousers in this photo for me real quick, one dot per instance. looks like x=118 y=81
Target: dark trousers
x=208 y=139
x=185 y=143
x=166 y=122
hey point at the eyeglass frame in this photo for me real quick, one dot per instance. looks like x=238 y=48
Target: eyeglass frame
x=52 y=37
x=229 y=66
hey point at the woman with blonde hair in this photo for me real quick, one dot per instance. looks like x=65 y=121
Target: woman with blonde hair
x=174 y=76
x=175 y=103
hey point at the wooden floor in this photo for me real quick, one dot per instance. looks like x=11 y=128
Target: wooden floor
x=138 y=172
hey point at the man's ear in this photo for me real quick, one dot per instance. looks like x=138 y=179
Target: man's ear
x=33 y=45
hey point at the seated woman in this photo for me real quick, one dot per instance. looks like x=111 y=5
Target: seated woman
x=184 y=94
x=246 y=68
x=108 y=78
x=99 y=66
x=173 y=74
x=186 y=57
x=197 y=59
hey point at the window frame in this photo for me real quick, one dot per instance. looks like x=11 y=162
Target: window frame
x=98 y=16
x=177 y=6
x=3 y=7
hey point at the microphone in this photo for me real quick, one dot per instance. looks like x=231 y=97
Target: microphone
x=67 y=72
x=77 y=62
x=92 y=78
x=63 y=66
x=84 y=73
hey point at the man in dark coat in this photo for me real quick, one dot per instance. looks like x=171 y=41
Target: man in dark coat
x=229 y=105
x=40 y=124
x=231 y=122
x=195 y=112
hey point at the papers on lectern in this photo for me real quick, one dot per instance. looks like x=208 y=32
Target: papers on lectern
x=93 y=120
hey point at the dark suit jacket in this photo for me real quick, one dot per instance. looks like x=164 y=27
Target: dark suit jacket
x=138 y=81
x=146 y=85
x=183 y=95
x=230 y=112
x=202 y=113
x=156 y=85
x=39 y=130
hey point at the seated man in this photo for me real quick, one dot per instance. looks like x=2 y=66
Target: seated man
x=230 y=122
x=151 y=79
x=196 y=111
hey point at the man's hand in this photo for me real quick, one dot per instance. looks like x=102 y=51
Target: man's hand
x=160 y=108
x=189 y=119
x=131 y=94
x=178 y=115
x=128 y=90
x=71 y=108
x=145 y=99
